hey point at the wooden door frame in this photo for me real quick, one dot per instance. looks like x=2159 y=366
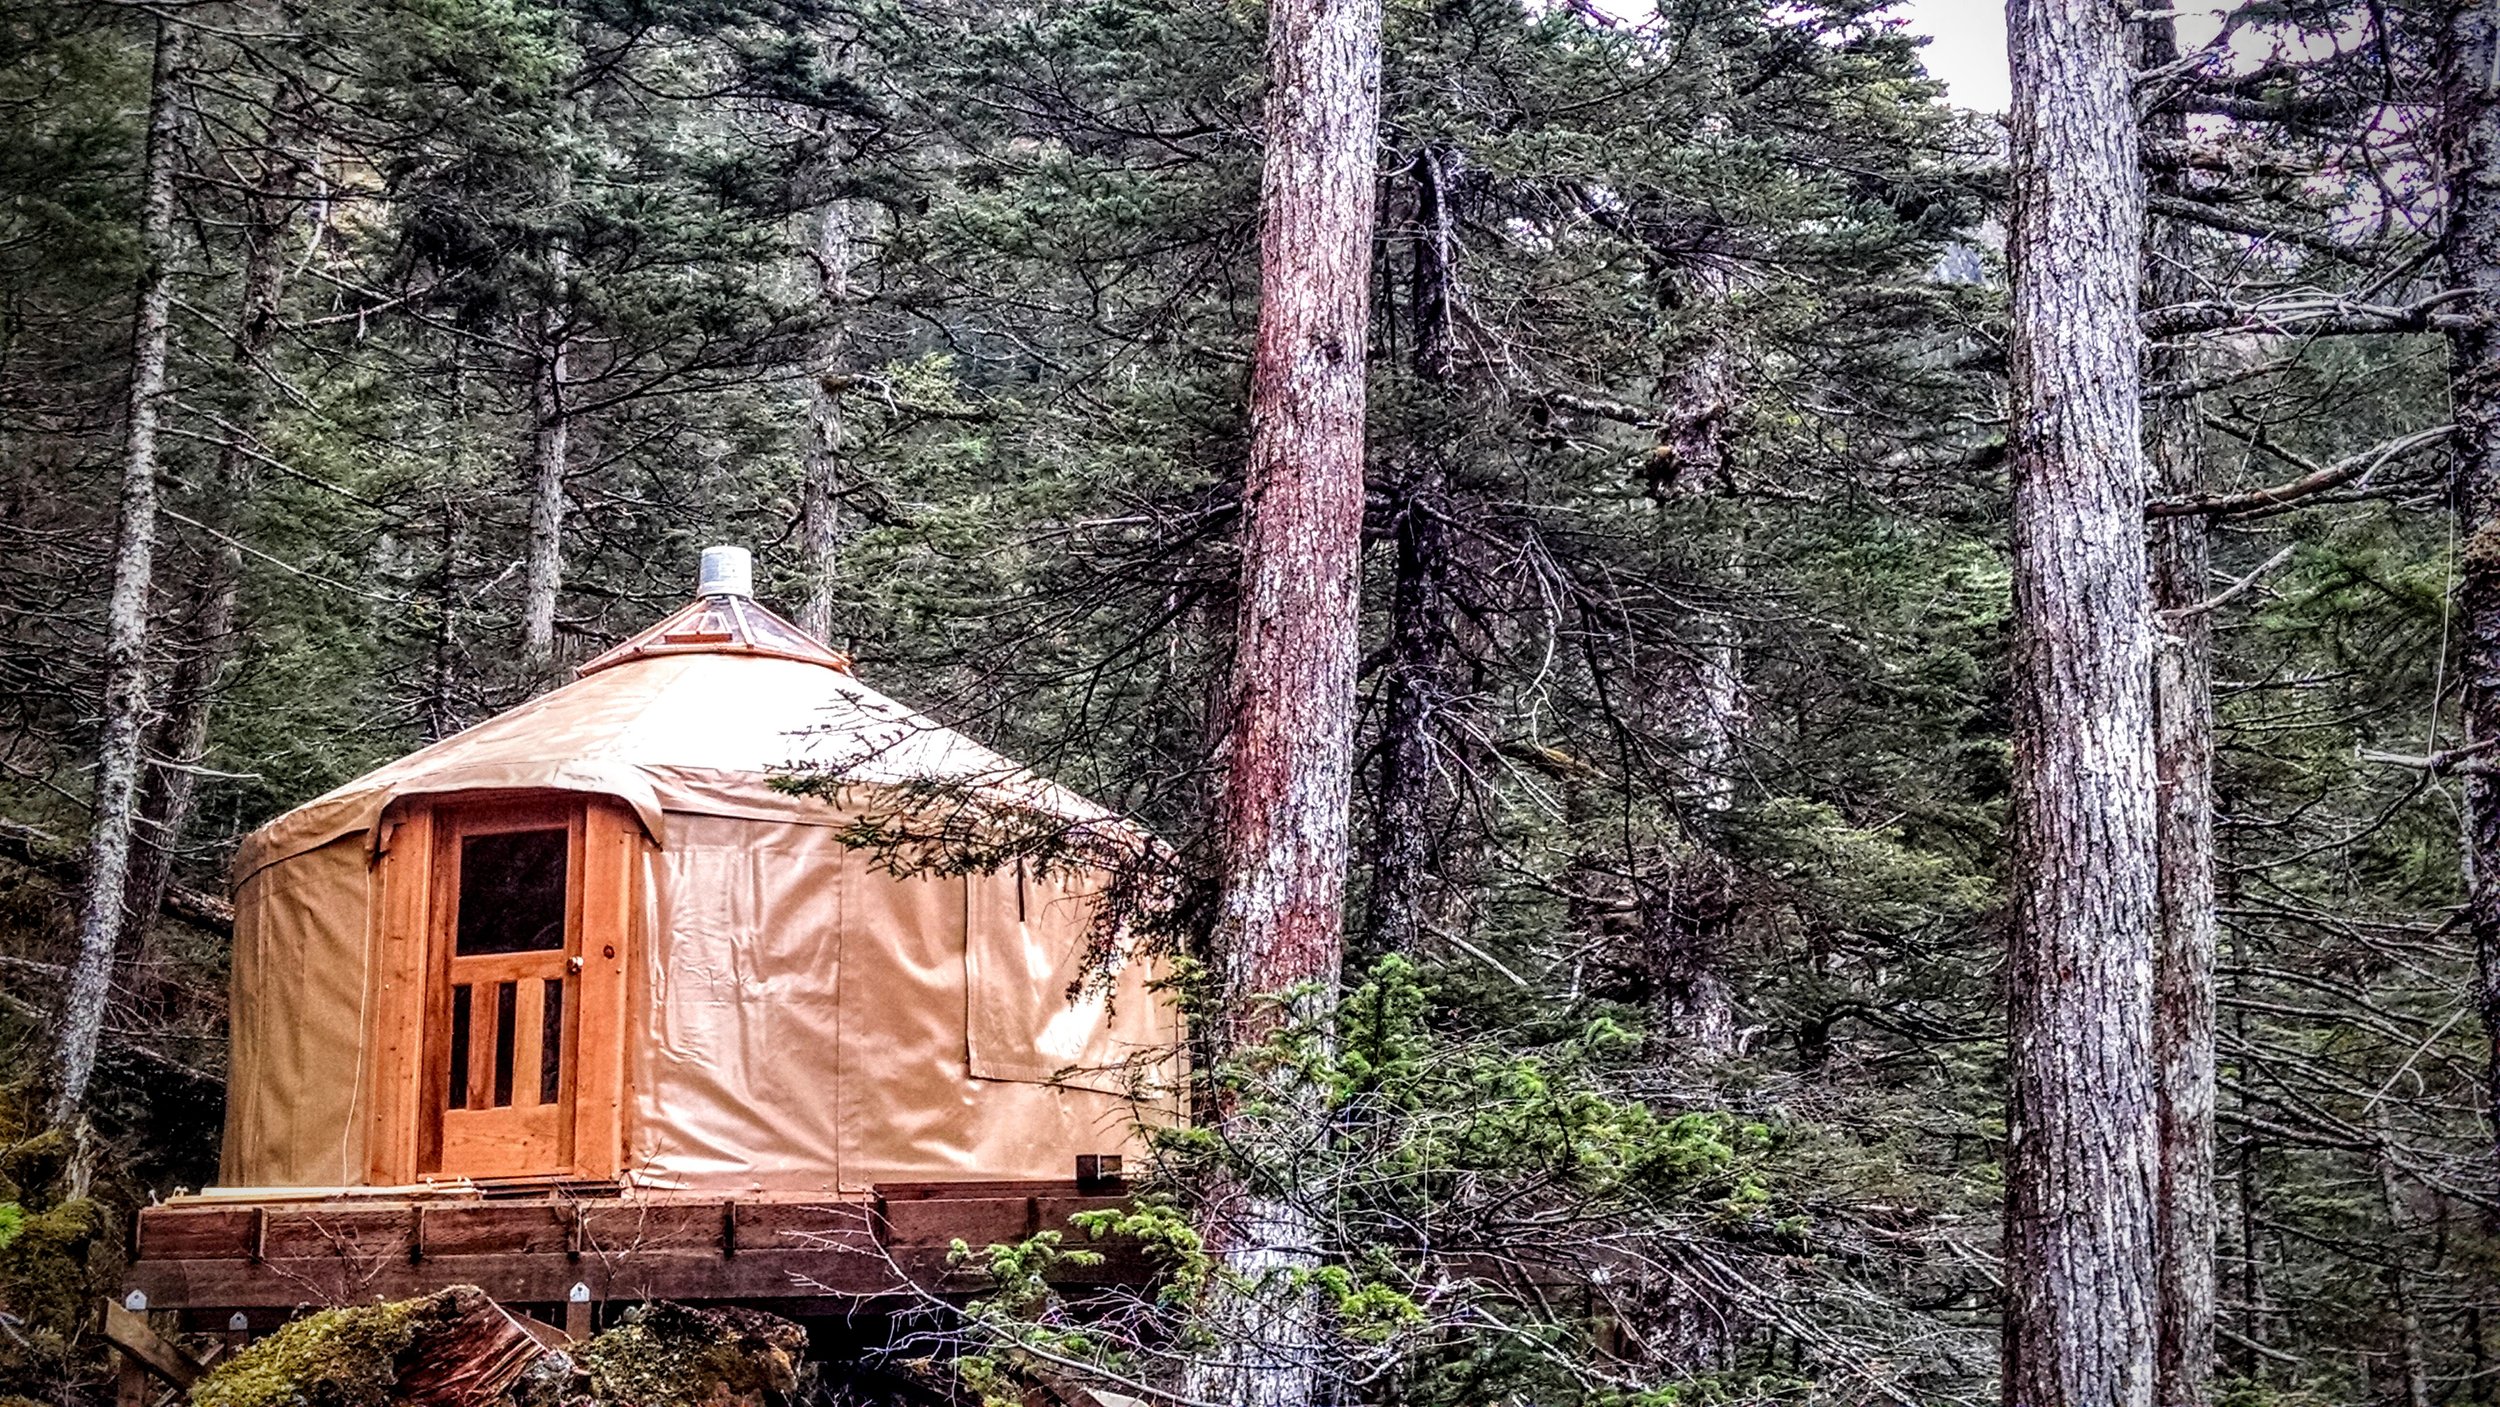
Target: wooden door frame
x=453 y=824
x=413 y=910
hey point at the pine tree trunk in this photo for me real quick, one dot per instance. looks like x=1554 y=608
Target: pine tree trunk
x=1290 y=745
x=2183 y=749
x=820 y=539
x=1411 y=683
x=1409 y=705
x=2470 y=245
x=182 y=741
x=119 y=748
x=191 y=695
x=550 y=451
x=1690 y=907
x=2082 y=1118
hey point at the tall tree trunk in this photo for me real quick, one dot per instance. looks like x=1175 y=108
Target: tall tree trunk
x=551 y=447
x=2183 y=748
x=191 y=695
x=1290 y=746
x=1412 y=683
x=2470 y=245
x=820 y=538
x=1689 y=904
x=126 y=625
x=2082 y=1120
x=1401 y=868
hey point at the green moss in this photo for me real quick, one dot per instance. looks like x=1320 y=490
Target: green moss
x=336 y=1358
x=667 y=1355
x=57 y=1263
x=30 y=1167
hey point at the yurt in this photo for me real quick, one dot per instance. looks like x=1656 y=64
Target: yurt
x=590 y=940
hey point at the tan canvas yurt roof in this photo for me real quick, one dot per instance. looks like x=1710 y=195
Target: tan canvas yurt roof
x=694 y=715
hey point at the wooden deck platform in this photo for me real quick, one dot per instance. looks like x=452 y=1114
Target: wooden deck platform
x=211 y=1258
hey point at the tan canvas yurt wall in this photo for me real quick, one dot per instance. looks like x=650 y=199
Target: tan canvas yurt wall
x=796 y=1017
x=296 y=1008
x=814 y=1021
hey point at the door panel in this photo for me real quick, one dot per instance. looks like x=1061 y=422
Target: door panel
x=507 y=934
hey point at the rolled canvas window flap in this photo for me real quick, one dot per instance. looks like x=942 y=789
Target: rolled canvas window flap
x=1025 y=942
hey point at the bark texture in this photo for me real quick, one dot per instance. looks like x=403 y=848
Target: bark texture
x=125 y=719
x=191 y=694
x=2470 y=246
x=1289 y=751
x=2082 y=1118
x=551 y=450
x=1413 y=683
x=1290 y=748
x=2183 y=745
x=1690 y=901
x=820 y=492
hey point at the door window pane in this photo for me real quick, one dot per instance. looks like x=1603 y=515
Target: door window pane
x=459 y=1098
x=505 y=1010
x=511 y=893
x=551 y=1043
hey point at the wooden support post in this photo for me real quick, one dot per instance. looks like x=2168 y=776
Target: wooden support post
x=130 y=1380
x=577 y=1313
x=238 y=1332
x=145 y=1351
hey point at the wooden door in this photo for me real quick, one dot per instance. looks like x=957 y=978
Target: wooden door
x=507 y=930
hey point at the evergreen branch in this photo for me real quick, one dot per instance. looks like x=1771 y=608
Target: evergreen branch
x=2214 y=217
x=2323 y=315
x=2314 y=480
x=2465 y=761
x=2234 y=591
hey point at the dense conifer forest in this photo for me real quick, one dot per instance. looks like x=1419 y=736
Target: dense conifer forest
x=1862 y=729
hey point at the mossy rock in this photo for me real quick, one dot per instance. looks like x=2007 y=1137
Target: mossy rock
x=56 y=1264
x=336 y=1358
x=455 y=1348
x=431 y=1351
x=670 y=1355
x=31 y=1168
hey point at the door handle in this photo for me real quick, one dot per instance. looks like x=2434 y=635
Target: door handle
x=573 y=965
